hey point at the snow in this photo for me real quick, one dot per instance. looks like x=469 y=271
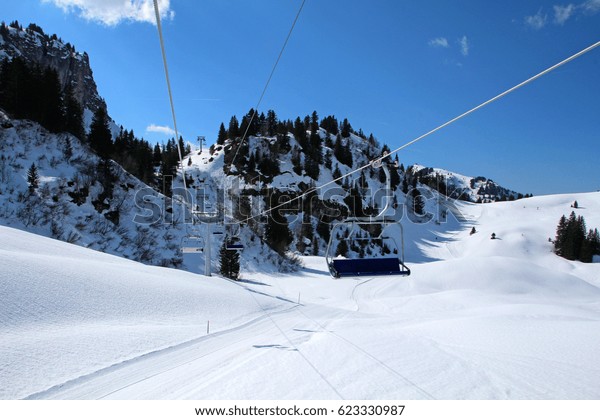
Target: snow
x=477 y=319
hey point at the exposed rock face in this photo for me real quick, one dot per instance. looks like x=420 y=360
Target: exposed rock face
x=49 y=51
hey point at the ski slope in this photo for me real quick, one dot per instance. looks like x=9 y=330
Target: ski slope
x=478 y=319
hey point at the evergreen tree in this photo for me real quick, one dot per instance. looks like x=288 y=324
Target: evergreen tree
x=272 y=122
x=68 y=150
x=100 y=137
x=574 y=238
x=250 y=123
x=33 y=178
x=561 y=233
x=342 y=151
x=594 y=238
x=336 y=173
x=314 y=122
x=354 y=201
x=229 y=262
x=269 y=166
x=277 y=233
x=252 y=164
x=345 y=128
x=573 y=243
x=300 y=134
x=73 y=122
x=222 y=136
x=327 y=160
x=330 y=124
x=51 y=104
x=587 y=251
x=156 y=155
x=418 y=202
x=311 y=167
x=297 y=161
x=234 y=128
x=342 y=249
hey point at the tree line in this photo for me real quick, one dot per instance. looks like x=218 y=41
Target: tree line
x=573 y=242
x=28 y=91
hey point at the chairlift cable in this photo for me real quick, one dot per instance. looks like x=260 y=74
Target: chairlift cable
x=164 y=57
x=438 y=128
x=262 y=95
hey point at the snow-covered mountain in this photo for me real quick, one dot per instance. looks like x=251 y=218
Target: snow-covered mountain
x=73 y=67
x=477 y=189
x=71 y=203
x=112 y=211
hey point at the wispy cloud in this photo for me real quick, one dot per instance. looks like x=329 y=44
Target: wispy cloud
x=537 y=21
x=464 y=45
x=163 y=129
x=113 y=12
x=591 y=6
x=563 y=13
x=439 y=42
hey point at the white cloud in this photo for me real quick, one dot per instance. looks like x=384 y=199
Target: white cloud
x=439 y=42
x=563 y=13
x=537 y=21
x=163 y=129
x=591 y=6
x=464 y=45
x=113 y=12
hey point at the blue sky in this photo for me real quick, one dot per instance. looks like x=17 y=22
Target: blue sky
x=394 y=68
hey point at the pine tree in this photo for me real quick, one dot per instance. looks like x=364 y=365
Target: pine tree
x=587 y=249
x=345 y=128
x=100 y=137
x=68 y=150
x=73 y=115
x=594 y=238
x=327 y=160
x=336 y=173
x=33 y=178
x=156 y=155
x=418 y=202
x=271 y=122
x=297 y=161
x=342 y=248
x=229 y=262
x=311 y=167
x=234 y=128
x=222 y=136
x=51 y=113
x=277 y=232
x=572 y=242
x=561 y=233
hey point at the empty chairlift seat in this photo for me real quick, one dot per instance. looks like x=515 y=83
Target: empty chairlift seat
x=368 y=267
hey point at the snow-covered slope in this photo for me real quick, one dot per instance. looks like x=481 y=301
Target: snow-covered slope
x=475 y=189
x=68 y=311
x=489 y=319
x=69 y=205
